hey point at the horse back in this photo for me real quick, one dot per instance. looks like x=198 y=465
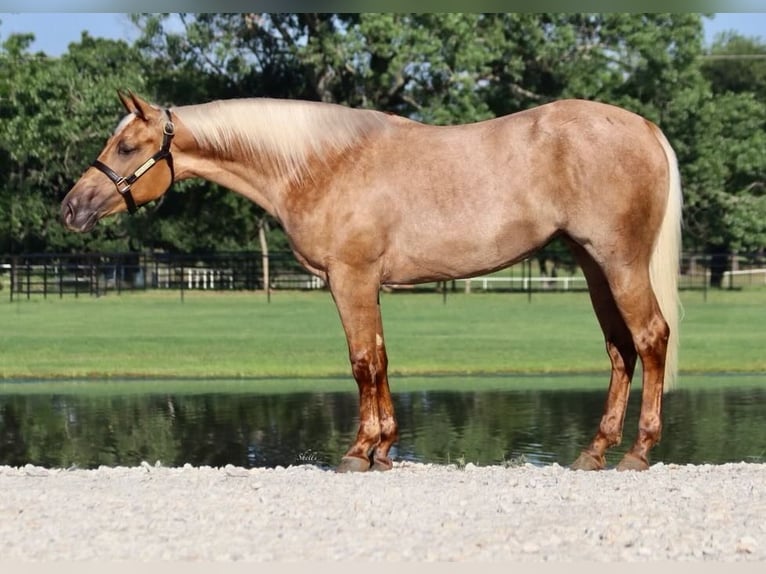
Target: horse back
x=432 y=202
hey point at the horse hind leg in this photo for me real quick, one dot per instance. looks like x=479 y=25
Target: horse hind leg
x=650 y=335
x=622 y=354
x=637 y=305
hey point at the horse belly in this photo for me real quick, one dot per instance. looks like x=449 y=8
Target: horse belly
x=462 y=247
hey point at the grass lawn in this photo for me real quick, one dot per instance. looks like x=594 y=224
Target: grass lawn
x=240 y=335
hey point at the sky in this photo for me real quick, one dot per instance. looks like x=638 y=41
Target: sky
x=54 y=32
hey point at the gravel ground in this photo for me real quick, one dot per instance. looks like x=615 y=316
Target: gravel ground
x=414 y=512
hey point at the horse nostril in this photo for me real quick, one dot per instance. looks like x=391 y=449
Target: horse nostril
x=67 y=212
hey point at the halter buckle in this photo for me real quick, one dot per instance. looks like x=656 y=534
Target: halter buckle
x=122 y=185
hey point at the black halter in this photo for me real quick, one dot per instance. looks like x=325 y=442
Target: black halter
x=123 y=184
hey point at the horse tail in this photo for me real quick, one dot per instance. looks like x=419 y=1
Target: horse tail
x=664 y=265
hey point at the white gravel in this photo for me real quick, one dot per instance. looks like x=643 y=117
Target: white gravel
x=414 y=512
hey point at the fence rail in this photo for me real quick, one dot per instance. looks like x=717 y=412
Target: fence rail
x=96 y=274
x=566 y=283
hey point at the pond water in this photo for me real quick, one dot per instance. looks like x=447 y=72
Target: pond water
x=61 y=428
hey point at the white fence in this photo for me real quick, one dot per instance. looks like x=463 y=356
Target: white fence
x=553 y=283
x=195 y=278
x=728 y=276
x=217 y=278
x=97 y=273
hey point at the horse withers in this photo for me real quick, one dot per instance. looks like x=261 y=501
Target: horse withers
x=368 y=199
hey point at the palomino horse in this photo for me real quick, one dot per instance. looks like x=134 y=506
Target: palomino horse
x=369 y=199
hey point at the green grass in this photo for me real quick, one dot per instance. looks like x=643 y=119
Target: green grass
x=298 y=335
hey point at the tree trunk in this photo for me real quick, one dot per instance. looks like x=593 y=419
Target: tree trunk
x=719 y=264
x=264 y=258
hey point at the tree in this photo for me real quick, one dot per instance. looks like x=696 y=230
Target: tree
x=439 y=68
x=725 y=159
x=442 y=68
x=56 y=114
x=737 y=64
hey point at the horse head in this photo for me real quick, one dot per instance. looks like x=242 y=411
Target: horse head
x=134 y=168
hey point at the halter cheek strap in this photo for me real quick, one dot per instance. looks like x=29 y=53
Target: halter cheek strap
x=124 y=184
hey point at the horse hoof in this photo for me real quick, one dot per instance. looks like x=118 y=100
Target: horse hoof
x=587 y=461
x=382 y=464
x=353 y=464
x=632 y=462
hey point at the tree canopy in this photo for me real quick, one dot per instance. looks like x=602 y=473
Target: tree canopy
x=443 y=68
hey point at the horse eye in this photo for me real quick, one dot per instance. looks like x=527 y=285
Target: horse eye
x=124 y=148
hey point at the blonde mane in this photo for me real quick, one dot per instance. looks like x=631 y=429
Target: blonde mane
x=283 y=133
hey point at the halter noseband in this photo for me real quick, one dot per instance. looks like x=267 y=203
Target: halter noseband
x=123 y=184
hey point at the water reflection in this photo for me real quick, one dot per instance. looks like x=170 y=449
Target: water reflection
x=483 y=427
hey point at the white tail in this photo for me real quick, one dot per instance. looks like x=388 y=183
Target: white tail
x=664 y=266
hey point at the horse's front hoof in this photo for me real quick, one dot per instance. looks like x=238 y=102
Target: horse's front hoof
x=382 y=464
x=633 y=462
x=587 y=461
x=353 y=464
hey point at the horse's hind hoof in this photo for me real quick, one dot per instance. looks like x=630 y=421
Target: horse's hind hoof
x=587 y=461
x=632 y=462
x=353 y=464
x=382 y=464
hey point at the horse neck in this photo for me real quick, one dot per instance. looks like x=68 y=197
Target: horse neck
x=262 y=187
x=279 y=148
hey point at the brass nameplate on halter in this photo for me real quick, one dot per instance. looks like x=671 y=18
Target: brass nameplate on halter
x=141 y=170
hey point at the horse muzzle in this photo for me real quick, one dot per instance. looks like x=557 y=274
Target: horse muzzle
x=76 y=217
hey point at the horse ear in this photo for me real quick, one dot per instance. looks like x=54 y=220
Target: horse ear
x=141 y=108
x=125 y=101
x=135 y=105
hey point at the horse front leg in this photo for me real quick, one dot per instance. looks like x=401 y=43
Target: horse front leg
x=389 y=431
x=356 y=297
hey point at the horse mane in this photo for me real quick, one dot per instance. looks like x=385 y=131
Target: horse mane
x=285 y=134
